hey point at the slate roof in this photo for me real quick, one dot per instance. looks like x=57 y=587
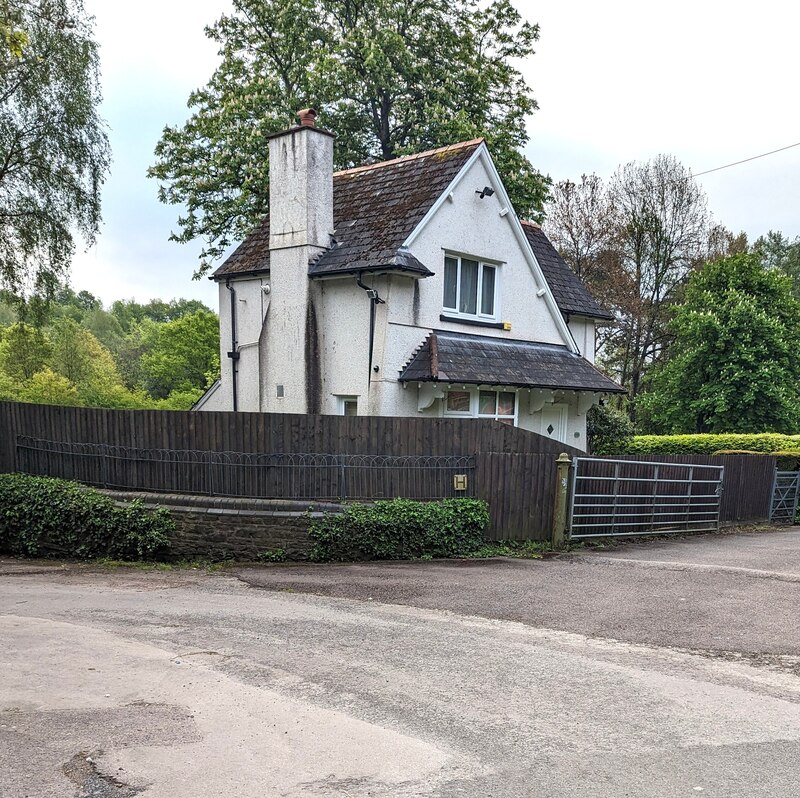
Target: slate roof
x=375 y=208
x=481 y=360
x=570 y=293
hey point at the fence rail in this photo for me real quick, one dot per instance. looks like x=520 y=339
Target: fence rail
x=296 y=475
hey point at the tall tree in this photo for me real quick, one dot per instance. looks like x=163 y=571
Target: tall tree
x=733 y=364
x=635 y=241
x=778 y=251
x=54 y=151
x=389 y=78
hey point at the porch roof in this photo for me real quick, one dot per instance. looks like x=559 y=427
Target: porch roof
x=480 y=360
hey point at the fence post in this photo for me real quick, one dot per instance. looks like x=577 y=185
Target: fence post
x=563 y=464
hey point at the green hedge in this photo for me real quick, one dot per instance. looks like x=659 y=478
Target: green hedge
x=400 y=529
x=764 y=442
x=784 y=461
x=40 y=515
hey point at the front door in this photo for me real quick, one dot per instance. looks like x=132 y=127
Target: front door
x=554 y=422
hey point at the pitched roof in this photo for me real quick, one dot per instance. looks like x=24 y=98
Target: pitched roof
x=375 y=209
x=570 y=293
x=481 y=360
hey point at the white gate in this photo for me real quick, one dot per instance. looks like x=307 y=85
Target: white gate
x=635 y=497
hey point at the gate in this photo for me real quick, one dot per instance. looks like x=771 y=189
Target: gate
x=633 y=497
x=785 y=493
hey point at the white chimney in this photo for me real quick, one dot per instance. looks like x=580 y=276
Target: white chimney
x=300 y=227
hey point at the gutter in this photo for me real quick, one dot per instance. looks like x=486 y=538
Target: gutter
x=234 y=351
x=374 y=300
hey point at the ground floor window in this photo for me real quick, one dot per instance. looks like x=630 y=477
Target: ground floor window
x=348 y=405
x=498 y=404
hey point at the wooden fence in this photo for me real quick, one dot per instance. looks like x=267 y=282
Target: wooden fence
x=514 y=470
x=511 y=468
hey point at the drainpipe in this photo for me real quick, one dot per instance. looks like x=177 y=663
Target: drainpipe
x=234 y=353
x=374 y=300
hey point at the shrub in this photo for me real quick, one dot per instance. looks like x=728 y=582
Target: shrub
x=400 y=529
x=609 y=430
x=784 y=461
x=43 y=515
x=764 y=442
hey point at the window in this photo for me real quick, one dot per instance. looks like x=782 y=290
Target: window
x=470 y=287
x=498 y=404
x=348 y=405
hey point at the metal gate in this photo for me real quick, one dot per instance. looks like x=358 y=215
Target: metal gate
x=785 y=493
x=635 y=497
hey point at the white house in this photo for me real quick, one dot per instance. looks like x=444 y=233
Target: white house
x=407 y=287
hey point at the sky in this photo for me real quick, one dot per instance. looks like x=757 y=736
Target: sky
x=706 y=81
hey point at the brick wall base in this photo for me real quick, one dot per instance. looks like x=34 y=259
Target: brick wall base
x=220 y=528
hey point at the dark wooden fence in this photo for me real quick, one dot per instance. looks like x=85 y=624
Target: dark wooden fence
x=511 y=468
x=514 y=470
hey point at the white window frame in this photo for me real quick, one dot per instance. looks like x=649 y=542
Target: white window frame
x=341 y=403
x=474 y=403
x=482 y=262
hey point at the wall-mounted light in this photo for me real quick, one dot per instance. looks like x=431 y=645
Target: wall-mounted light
x=487 y=191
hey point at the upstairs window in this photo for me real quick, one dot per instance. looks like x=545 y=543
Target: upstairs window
x=470 y=287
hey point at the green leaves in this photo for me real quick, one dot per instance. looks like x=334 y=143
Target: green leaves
x=400 y=529
x=40 y=515
x=54 y=152
x=388 y=78
x=733 y=364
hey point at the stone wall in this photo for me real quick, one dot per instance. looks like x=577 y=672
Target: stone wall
x=221 y=528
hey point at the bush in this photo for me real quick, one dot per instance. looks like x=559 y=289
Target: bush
x=40 y=515
x=400 y=529
x=764 y=442
x=784 y=461
x=609 y=431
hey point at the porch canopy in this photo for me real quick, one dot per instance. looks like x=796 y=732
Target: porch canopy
x=458 y=358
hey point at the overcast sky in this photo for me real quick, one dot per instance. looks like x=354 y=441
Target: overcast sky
x=709 y=82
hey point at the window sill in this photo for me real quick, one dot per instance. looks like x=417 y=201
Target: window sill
x=495 y=325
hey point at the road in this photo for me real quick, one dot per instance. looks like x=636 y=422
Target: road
x=660 y=670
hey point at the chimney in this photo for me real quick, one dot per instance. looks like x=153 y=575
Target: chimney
x=300 y=227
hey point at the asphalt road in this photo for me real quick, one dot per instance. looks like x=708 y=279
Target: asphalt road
x=568 y=677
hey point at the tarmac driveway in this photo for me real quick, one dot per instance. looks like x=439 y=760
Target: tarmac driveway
x=568 y=677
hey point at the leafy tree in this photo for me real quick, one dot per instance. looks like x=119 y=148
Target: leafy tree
x=54 y=151
x=389 y=78
x=635 y=240
x=48 y=388
x=777 y=251
x=734 y=364
x=608 y=429
x=179 y=354
x=24 y=350
x=13 y=40
x=128 y=312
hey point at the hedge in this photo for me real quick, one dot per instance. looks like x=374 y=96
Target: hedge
x=41 y=515
x=784 y=461
x=763 y=442
x=400 y=529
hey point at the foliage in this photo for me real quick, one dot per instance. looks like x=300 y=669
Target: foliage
x=521 y=549
x=272 y=555
x=179 y=354
x=400 y=529
x=609 y=430
x=129 y=313
x=766 y=442
x=388 y=78
x=733 y=364
x=24 y=350
x=41 y=515
x=777 y=251
x=634 y=241
x=48 y=388
x=54 y=151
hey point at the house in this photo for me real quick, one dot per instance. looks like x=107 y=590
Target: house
x=407 y=287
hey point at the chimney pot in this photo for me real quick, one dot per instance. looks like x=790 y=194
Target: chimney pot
x=307 y=117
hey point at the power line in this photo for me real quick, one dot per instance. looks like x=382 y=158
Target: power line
x=745 y=160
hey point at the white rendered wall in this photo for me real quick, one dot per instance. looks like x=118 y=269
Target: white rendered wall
x=583 y=332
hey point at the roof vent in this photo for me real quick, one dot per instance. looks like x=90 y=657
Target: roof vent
x=307 y=117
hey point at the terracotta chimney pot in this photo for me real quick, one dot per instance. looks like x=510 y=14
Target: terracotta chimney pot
x=307 y=117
